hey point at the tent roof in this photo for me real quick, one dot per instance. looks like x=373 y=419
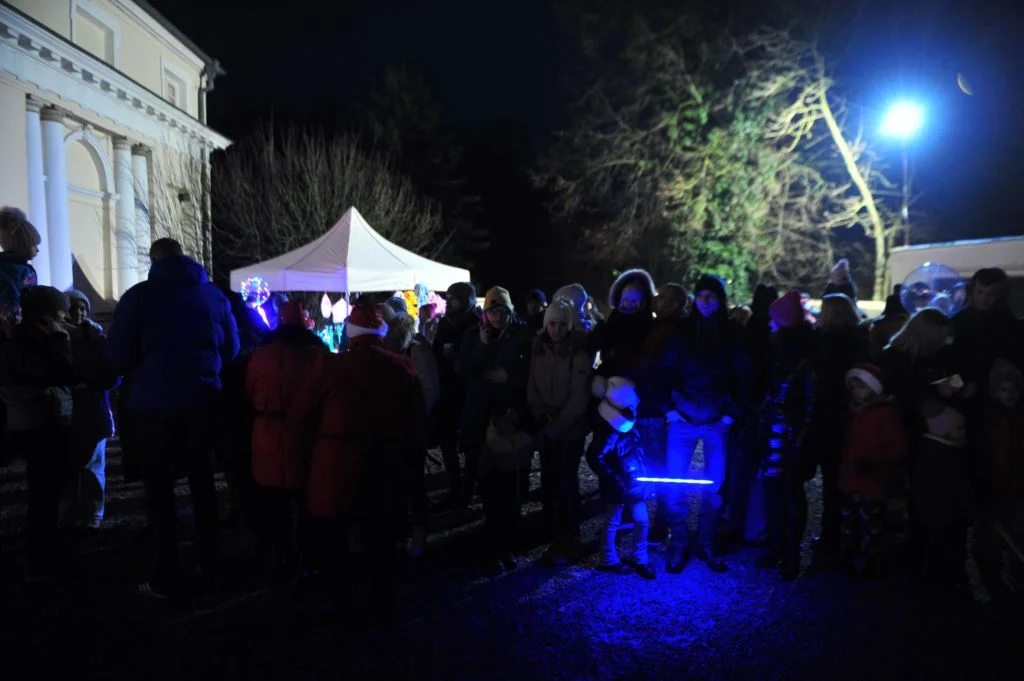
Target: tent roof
x=351 y=256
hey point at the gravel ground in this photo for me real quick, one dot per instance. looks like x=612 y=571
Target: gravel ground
x=538 y=622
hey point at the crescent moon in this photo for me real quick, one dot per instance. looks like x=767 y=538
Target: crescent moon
x=965 y=87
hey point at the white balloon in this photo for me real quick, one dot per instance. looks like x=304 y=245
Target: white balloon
x=339 y=313
x=325 y=307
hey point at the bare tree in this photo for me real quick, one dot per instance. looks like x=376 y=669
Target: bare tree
x=280 y=189
x=179 y=188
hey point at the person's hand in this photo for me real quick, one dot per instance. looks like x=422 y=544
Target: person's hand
x=485 y=337
x=496 y=375
x=673 y=416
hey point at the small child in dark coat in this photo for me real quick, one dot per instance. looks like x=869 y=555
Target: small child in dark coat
x=875 y=449
x=617 y=456
x=507 y=450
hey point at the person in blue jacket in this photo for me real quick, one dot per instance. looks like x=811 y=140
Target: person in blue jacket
x=171 y=336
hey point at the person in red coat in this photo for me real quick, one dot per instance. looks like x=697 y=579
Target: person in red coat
x=345 y=415
x=275 y=373
x=876 y=446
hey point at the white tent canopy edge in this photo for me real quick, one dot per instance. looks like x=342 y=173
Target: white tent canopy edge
x=350 y=256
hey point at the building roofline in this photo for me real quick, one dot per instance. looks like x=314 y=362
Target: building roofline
x=179 y=35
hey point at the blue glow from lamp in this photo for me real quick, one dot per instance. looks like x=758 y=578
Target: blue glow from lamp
x=678 y=481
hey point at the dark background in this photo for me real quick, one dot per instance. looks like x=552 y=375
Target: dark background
x=496 y=70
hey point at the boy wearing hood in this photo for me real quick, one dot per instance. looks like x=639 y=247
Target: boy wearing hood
x=172 y=335
x=713 y=383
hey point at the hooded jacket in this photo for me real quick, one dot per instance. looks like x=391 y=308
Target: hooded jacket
x=172 y=334
x=558 y=391
x=714 y=372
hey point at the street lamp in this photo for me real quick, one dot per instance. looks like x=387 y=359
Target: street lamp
x=902 y=121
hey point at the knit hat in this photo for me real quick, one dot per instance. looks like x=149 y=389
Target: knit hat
x=619 y=405
x=787 y=312
x=498 y=297
x=42 y=301
x=561 y=311
x=1003 y=371
x=713 y=283
x=840 y=280
x=538 y=296
x=365 y=320
x=292 y=313
x=398 y=305
x=575 y=295
x=75 y=294
x=870 y=374
x=464 y=292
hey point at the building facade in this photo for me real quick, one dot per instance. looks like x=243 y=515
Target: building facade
x=103 y=138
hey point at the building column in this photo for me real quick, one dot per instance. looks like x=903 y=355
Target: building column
x=58 y=231
x=126 y=260
x=143 y=226
x=37 y=187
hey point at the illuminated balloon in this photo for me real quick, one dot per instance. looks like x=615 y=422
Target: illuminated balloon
x=339 y=313
x=255 y=291
x=326 y=307
x=934 y=285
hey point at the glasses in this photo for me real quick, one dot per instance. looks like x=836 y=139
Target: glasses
x=498 y=311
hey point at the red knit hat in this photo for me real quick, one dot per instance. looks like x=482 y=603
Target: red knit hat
x=365 y=320
x=292 y=313
x=787 y=311
x=869 y=374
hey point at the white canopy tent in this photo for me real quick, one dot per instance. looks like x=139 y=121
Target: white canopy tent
x=350 y=257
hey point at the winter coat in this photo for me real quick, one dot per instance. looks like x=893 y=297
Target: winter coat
x=788 y=403
x=402 y=339
x=980 y=337
x=343 y=419
x=558 y=391
x=1003 y=455
x=172 y=334
x=833 y=354
x=91 y=419
x=508 y=349
x=15 y=275
x=618 y=459
x=504 y=453
x=36 y=376
x=714 y=373
x=452 y=329
x=274 y=375
x=911 y=382
x=876 y=447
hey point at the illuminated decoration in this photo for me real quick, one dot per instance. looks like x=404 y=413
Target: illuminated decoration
x=325 y=307
x=678 y=481
x=255 y=291
x=902 y=120
x=439 y=303
x=412 y=303
x=934 y=285
x=339 y=313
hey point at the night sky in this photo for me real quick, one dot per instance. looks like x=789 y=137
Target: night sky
x=491 y=63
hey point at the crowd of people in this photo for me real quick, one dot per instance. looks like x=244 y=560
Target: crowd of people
x=324 y=454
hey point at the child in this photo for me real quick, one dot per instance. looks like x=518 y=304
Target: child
x=507 y=450
x=20 y=243
x=1002 y=473
x=91 y=420
x=876 y=444
x=618 y=458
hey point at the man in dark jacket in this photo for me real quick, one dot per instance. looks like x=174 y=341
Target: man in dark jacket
x=173 y=334
x=712 y=388
x=460 y=316
x=536 y=304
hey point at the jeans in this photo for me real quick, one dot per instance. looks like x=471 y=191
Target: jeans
x=46 y=453
x=641 y=523
x=84 y=489
x=500 y=492
x=167 y=437
x=786 y=512
x=682 y=444
x=560 y=487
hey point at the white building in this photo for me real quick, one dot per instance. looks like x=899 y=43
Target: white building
x=103 y=138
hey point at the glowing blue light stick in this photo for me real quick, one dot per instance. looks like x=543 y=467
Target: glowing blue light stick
x=678 y=481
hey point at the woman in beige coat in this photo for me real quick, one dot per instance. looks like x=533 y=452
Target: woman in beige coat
x=558 y=395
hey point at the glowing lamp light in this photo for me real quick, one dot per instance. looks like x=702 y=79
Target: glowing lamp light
x=902 y=120
x=255 y=291
x=325 y=307
x=678 y=481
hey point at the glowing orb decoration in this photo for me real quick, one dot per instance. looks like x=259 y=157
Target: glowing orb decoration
x=326 y=307
x=439 y=303
x=255 y=291
x=339 y=313
x=934 y=285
